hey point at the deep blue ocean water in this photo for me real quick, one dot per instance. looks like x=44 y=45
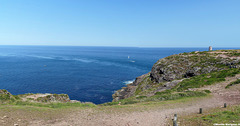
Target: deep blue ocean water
x=88 y=74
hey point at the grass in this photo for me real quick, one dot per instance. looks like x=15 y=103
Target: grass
x=230 y=115
x=181 y=90
x=225 y=116
x=154 y=104
x=176 y=95
x=47 y=105
x=52 y=105
x=233 y=83
x=161 y=96
x=8 y=98
x=206 y=79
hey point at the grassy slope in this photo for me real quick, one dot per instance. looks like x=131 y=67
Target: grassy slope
x=228 y=115
x=181 y=90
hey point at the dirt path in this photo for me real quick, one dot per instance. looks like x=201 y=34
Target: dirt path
x=158 y=115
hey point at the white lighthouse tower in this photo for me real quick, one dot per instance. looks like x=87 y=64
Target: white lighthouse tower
x=210 y=48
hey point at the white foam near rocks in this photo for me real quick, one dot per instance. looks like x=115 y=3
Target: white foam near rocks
x=128 y=82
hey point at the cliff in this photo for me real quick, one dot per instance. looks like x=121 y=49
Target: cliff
x=168 y=72
x=7 y=97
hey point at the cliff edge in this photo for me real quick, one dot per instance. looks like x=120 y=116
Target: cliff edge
x=168 y=72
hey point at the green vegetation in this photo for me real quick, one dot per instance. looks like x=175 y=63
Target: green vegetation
x=53 y=104
x=48 y=105
x=204 y=52
x=207 y=91
x=163 y=92
x=122 y=102
x=175 y=95
x=233 y=83
x=159 y=96
x=179 y=91
x=145 y=81
x=225 y=116
x=57 y=97
x=7 y=98
x=229 y=115
x=233 y=53
x=206 y=79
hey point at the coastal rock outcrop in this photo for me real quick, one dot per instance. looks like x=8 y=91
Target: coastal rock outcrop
x=168 y=72
x=45 y=98
x=6 y=97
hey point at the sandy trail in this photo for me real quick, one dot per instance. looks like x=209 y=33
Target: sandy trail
x=158 y=116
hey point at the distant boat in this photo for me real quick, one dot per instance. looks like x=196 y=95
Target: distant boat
x=131 y=60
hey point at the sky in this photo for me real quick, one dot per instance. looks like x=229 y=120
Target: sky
x=125 y=23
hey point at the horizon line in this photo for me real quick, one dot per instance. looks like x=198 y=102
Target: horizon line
x=123 y=46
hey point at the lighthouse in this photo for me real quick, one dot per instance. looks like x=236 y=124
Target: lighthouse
x=210 y=48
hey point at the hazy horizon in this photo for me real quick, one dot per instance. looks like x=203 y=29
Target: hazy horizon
x=124 y=46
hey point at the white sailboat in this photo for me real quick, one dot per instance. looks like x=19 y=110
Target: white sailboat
x=131 y=60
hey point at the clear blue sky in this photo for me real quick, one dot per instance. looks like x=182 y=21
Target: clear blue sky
x=140 y=23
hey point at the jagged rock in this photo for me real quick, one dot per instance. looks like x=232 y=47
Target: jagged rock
x=172 y=69
x=128 y=91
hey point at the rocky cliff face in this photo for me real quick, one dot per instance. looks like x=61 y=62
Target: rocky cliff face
x=168 y=72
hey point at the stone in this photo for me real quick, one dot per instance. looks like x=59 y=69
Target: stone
x=176 y=67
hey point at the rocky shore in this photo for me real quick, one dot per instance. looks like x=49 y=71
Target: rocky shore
x=169 y=71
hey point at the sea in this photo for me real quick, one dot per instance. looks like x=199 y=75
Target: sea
x=87 y=74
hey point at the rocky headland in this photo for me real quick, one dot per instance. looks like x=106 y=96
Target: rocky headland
x=168 y=72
